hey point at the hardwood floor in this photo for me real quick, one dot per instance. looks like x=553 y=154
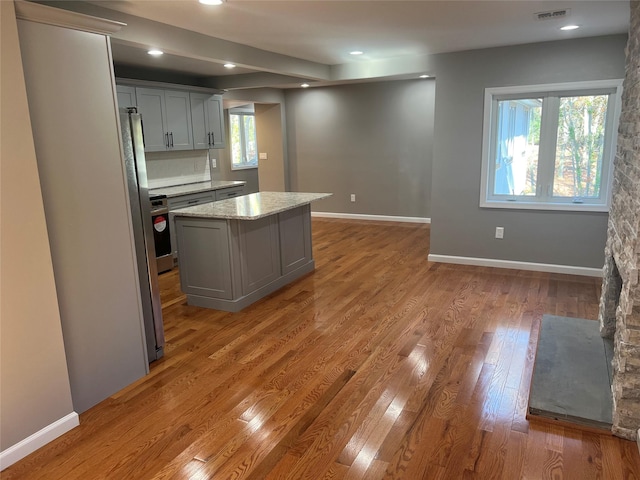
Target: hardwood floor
x=379 y=365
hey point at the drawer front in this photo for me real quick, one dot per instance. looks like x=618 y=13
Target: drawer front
x=190 y=200
x=224 y=193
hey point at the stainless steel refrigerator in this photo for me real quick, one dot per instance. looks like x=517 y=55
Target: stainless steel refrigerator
x=136 y=171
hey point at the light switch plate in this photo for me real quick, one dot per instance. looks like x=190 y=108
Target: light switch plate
x=262 y=156
x=214 y=164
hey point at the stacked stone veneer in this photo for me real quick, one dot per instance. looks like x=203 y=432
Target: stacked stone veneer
x=620 y=302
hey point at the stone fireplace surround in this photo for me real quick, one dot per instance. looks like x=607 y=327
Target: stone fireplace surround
x=619 y=314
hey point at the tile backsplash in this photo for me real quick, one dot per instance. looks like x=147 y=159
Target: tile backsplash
x=165 y=169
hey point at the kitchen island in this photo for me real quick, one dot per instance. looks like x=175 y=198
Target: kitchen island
x=191 y=194
x=233 y=252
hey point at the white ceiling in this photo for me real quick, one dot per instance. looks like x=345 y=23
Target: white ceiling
x=324 y=32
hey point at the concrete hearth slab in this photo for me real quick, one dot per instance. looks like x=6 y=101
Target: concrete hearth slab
x=572 y=374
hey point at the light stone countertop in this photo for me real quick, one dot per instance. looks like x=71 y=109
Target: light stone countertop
x=189 y=188
x=250 y=207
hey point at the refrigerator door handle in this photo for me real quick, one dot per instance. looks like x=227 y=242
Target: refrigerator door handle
x=138 y=186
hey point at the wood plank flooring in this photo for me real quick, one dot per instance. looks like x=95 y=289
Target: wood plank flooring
x=379 y=365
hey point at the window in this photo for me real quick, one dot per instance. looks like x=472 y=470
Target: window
x=550 y=147
x=244 y=149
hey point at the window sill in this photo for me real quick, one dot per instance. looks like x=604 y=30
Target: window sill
x=566 y=207
x=244 y=167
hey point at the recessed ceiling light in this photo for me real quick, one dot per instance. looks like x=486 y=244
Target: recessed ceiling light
x=229 y=65
x=155 y=52
x=211 y=2
x=425 y=76
x=570 y=27
x=356 y=52
x=305 y=85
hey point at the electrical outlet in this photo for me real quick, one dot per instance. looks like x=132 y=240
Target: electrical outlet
x=353 y=197
x=214 y=164
x=262 y=156
x=499 y=232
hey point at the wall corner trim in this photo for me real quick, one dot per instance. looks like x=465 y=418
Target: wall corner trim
x=33 y=442
x=377 y=218
x=536 y=267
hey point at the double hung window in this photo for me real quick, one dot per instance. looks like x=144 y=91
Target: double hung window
x=244 y=147
x=550 y=146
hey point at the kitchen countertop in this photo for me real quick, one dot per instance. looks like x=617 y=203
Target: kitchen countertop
x=178 y=190
x=252 y=206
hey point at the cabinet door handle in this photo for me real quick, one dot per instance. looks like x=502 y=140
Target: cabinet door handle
x=209 y=136
x=213 y=138
x=171 y=139
x=191 y=202
x=166 y=140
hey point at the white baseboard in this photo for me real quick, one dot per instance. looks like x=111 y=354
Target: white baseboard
x=536 y=267
x=33 y=442
x=379 y=218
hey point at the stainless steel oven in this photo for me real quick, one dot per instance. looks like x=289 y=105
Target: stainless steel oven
x=161 y=232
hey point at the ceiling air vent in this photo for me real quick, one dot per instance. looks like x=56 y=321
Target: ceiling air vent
x=552 y=14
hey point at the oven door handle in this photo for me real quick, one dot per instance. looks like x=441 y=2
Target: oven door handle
x=159 y=211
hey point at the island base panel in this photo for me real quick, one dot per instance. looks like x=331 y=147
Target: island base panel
x=205 y=263
x=246 y=300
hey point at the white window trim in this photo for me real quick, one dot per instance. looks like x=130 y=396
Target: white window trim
x=488 y=119
x=243 y=166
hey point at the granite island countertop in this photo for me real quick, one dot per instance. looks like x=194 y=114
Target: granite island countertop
x=250 y=207
x=189 y=188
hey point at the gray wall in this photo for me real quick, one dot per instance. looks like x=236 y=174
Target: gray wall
x=271 y=172
x=459 y=226
x=370 y=139
x=223 y=169
x=263 y=99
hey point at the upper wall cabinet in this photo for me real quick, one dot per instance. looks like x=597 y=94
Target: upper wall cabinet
x=166 y=117
x=126 y=96
x=208 y=121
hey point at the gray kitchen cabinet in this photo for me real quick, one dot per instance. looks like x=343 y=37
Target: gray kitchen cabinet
x=191 y=199
x=182 y=201
x=231 y=192
x=259 y=257
x=151 y=106
x=266 y=248
x=207 y=261
x=214 y=247
x=126 y=96
x=166 y=119
x=207 y=120
x=295 y=239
